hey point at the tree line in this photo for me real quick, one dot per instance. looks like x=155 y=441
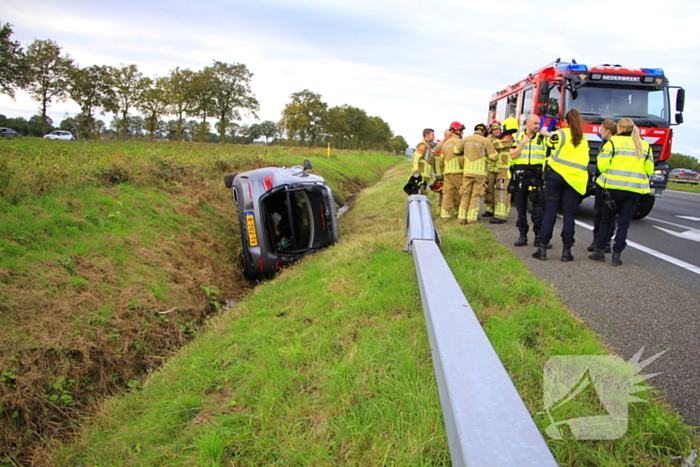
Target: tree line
x=220 y=93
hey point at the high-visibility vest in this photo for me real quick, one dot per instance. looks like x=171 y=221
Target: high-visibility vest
x=477 y=150
x=568 y=161
x=421 y=162
x=621 y=169
x=534 y=152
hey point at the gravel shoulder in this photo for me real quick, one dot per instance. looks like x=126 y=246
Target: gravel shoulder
x=629 y=307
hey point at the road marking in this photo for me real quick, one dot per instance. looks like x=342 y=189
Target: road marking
x=690 y=218
x=656 y=254
x=687 y=235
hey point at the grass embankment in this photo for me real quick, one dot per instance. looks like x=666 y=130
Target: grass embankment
x=95 y=240
x=329 y=364
x=687 y=187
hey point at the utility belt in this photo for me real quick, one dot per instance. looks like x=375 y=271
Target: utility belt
x=527 y=170
x=528 y=177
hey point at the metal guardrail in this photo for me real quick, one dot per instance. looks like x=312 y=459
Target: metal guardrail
x=486 y=420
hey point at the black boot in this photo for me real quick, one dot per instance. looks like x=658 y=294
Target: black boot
x=597 y=255
x=566 y=254
x=521 y=241
x=616 y=261
x=547 y=246
x=540 y=254
x=591 y=247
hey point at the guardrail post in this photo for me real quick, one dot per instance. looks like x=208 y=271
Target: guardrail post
x=487 y=422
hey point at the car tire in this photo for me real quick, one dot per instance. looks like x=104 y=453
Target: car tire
x=646 y=204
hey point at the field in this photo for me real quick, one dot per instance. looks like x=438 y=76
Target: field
x=328 y=364
x=113 y=255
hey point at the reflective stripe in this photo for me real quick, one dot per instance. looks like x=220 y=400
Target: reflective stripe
x=569 y=163
x=623 y=173
x=615 y=183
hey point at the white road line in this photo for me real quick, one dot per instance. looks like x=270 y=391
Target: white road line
x=652 y=252
x=675 y=225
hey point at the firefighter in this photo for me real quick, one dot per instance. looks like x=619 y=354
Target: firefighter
x=452 y=168
x=608 y=129
x=491 y=171
x=502 y=144
x=527 y=156
x=422 y=161
x=565 y=182
x=625 y=163
x=477 y=150
x=438 y=167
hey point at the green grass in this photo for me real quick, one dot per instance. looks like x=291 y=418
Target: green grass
x=687 y=187
x=329 y=364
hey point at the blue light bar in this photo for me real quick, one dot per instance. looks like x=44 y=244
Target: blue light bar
x=574 y=68
x=653 y=71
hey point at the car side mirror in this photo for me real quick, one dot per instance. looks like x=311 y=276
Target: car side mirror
x=307 y=164
x=679 y=118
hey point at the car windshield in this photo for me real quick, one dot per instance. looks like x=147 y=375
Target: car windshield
x=647 y=106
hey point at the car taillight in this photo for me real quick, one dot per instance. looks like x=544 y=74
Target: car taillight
x=267 y=183
x=260 y=262
x=323 y=216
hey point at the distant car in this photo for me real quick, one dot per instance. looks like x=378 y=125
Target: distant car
x=283 y=213
x=684 y=176
x=9 y=133
x=60 y=134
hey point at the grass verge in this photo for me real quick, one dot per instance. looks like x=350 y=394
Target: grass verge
x=329 y=364
x=112 y=255
x=687 y=187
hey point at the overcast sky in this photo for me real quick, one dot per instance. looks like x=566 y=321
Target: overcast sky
x=414 y=64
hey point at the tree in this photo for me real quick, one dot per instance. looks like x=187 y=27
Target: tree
x=48 y=73
x=180 y=90
x=231 y=93
x=127 y=84
x=203 y=100
x=153 y=102
x=12 y=64
x=269 y=129
x=398 y=144
x=681 y=161
x=90 y=88
x=303 y=116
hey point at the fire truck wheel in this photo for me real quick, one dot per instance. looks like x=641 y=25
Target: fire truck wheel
x=646 y=203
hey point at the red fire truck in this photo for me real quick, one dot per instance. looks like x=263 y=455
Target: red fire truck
x=599 y=93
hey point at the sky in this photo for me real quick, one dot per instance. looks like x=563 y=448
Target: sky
x=414 y=64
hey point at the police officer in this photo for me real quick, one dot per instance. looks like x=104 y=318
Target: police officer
x=527 y=155
x=625 y=163
x=477 y=151
x=452 y=169
x=566 y=181
x=422 y=161
x=503 y=139
x=608 y=129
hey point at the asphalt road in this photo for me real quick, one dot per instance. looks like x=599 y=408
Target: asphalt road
x=651 y=301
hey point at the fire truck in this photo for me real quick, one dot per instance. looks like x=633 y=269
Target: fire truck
x=599 y=93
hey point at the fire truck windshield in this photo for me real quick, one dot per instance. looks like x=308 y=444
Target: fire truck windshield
x=647 y=106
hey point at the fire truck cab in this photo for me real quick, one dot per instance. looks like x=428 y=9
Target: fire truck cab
x=599 y=93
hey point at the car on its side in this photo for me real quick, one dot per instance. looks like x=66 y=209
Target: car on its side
x=60 y=134
x=9 y=133
x=684 y=176
x=284 y=213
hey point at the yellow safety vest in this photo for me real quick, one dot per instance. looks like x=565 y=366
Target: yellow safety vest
x=619 y=167
x=568 y=161
x=534 y=152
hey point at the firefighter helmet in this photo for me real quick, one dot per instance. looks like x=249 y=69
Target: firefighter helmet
x=436 y=186
x=456 y=126
x=481 y=128
x=494 y=125
x=510 y=126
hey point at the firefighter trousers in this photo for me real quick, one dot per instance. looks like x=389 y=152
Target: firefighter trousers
x=490 y=193
x=472 y=189
x=450 y=194
x=501 y=195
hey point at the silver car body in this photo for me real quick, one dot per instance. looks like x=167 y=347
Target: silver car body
x=60 y=134
x=283 y=213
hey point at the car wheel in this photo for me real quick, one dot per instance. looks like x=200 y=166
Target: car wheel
x=646 y=203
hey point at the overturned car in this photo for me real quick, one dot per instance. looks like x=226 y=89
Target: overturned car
x=284 y=213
